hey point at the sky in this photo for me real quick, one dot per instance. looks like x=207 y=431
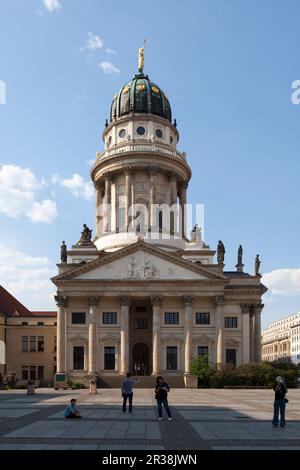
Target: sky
x=227 y=68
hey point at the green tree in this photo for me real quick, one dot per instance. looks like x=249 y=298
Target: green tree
x=202 y=369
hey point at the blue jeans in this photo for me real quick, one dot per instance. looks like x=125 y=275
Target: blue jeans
x=164 y=402
x=128 y=396
x=279 y=405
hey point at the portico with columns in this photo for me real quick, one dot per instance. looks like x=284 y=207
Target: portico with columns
x=138 y=294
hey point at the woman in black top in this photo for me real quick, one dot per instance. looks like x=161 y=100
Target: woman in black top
x=279 y=402
x=161 y=395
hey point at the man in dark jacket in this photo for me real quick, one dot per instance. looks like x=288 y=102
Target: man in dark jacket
x=161 y=395
x=279 y=402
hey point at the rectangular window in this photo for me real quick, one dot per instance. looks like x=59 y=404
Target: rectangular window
x=55 y=343
x=32 y=344
x=78 y=357
x=171 y=318
x=24 y=343
x=121 y=218
x=202 y=318
x=40 y=323
x=24 y=372
x=41 y=343
x=109 y=318
x=202 y=350
x=24 y=323
x=32 y=372
x=140 y=324
x=231 y=322
x=78 y=318
x=109 y=358
x=160 y=220
x=40 y=373
x=171 y=357
x=231 y=357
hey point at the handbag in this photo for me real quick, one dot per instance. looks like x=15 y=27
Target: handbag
x=286 y=400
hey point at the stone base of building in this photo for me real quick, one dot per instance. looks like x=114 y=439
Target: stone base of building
x=190 y=381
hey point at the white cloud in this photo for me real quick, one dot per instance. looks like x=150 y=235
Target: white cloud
x=283 y=281
x=18 y=188
x=27 y=278
x=110 y=51
x=52 y=5
x=109 y=68
x=76 y=185
x=94 y=42
x=43 y=211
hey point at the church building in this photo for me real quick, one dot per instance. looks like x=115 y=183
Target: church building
x=139 y=295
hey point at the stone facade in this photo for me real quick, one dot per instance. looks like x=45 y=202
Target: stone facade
x=141 y=296
x=281 y=340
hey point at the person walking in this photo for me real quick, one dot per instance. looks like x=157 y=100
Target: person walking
x=161 y=396
x=126 y=391
x=280 y=401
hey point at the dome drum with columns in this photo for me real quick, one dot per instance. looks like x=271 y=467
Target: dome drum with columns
x=138 y=295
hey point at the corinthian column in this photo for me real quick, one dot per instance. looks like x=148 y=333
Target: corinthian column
x=127 y=197
x=173 y=214
x=124 y=346
x=156 y=363
x=257 y=331
x=219 y=330
x=92 y=358
x=182 y=202
x=188 y=325
x=152 y=206
x=245 y=309
x=107 y=203
x=62 y=303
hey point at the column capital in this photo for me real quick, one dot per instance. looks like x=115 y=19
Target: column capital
x=61 y=300
x=245 y=308
x=156 y=300
x=257 y=308
x=152 y=170
x=107 y=175
x=219 y=300
x=128 y=170
x=188 y=299
x=184 y=185
x=93 y=300
x=125 y=301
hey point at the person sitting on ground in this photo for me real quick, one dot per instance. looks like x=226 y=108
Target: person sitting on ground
x=72 y=411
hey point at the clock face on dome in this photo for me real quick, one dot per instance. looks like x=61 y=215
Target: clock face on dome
x=155 y=89
x=126 y=89
x=141 y=87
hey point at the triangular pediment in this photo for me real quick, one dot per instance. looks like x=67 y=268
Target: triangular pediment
x=140 y=261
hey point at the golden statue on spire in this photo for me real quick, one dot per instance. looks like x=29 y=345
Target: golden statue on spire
x=141 y=57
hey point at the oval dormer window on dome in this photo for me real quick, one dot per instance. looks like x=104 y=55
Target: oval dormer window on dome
x=159 y=133
x=140 y=130
x=122 y=133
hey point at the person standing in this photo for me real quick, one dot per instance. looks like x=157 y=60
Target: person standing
x=126 y=391
x=280 y=401
x=161 y=395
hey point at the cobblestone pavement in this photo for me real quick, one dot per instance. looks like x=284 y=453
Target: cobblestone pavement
x=202 y=419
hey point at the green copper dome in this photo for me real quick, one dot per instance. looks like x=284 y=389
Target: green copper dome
x=140 y=96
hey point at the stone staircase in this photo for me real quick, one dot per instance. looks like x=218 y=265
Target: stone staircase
x=144 y=382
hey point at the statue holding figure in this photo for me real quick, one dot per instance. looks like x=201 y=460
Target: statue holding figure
x=196 y=236
x=86 y=236
x=220 y=252
x=142 y=57
x=148 y=270
x=63 y=252
x=257 y=265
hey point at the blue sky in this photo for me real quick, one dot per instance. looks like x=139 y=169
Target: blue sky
x=227 y=68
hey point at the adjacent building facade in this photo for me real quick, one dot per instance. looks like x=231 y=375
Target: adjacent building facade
x=27 y=341
x=140 y=295
x=281 y=340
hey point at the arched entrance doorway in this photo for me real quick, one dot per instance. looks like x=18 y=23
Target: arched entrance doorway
x=141 y=359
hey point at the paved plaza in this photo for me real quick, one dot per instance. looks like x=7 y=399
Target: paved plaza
x=203 y=419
